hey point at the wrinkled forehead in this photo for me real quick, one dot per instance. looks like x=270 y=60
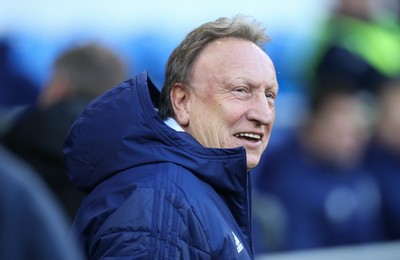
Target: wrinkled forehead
x=231 y=46
x=227 y=57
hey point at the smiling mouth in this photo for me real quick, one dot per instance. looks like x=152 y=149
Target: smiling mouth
x=249 y=137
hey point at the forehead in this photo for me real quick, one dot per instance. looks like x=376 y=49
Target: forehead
x=228 y=57
x=230 y=48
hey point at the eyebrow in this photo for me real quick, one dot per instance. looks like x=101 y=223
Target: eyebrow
x=268 y=86
x=273 y=84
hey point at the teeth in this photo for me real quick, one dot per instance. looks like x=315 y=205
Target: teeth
x=249 y=135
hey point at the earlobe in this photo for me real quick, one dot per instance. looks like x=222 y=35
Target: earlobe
x=180 y=103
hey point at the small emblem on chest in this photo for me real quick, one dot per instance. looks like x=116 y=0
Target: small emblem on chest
x=239 y=245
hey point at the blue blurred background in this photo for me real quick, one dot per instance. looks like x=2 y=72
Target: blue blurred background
x=145 y=32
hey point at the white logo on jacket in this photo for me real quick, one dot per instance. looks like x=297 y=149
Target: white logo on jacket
x=239 y=245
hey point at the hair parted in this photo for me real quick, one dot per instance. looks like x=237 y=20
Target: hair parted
x=181 y=60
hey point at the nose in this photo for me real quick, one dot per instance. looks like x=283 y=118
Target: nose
x=261 y=110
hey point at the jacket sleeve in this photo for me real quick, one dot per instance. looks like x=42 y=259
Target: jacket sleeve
x=164 y=227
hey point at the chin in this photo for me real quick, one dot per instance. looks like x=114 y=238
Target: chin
x=252 y=164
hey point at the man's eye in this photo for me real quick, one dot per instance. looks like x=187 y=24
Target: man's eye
x=242 y=93
x=270 y=95
x=241 y=90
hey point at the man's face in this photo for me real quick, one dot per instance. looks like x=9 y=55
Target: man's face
x=231 y=97
x=339 y=130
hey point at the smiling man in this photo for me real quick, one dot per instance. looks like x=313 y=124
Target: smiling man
x=155 y=192
x=229 y=100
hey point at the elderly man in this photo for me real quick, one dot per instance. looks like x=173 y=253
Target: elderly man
x=156 y=192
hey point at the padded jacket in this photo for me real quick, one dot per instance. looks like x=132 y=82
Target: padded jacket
x=153 y=192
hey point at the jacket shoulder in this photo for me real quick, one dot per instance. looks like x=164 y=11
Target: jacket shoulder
x=154 y=213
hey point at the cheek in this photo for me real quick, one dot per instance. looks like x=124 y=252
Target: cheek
x=232 y=113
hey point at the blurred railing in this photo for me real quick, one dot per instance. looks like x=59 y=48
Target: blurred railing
x=378 y=251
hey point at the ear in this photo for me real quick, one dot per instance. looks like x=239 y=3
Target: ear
x=57 y=90
x=180 y=103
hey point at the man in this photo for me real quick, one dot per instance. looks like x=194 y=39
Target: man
x=155 y=192
x=314 y=185
x=80 y=73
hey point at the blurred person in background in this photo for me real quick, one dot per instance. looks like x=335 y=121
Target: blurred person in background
x=80 y=74
x=357 y=52
x=314 y=187
x=383 y=156
x=359 y=45
x=32 y=222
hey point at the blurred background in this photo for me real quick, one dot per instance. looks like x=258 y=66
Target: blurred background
x=330 y=175
x=145 y=32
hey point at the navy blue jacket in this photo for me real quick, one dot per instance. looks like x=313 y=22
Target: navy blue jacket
x=153 y=192
x=385 y=165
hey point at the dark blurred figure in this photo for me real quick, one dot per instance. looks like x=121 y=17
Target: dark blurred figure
x=80 y=74
x=359 y=45
x=313 y=191
x=17 y=90
x=384 y=153
x=32 y=224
